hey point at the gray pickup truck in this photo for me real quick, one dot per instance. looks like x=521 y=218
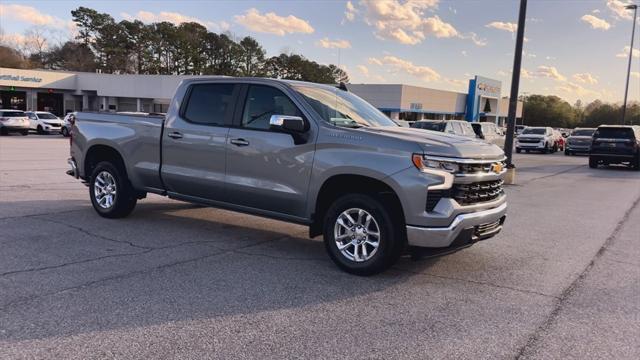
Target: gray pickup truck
x=306 y=153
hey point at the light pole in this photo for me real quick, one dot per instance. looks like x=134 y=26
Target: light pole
x=633 y=32
x=513 y=98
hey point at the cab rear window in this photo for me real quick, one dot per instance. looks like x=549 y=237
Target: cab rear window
x=614 y=133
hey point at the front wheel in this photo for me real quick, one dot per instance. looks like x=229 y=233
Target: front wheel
x=361 y=236
x=24 y=132
x=65 y=132
x=111 y=192
x=593 y=163
x=518 y=150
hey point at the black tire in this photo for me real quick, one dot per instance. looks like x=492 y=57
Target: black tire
x=593 y=162
x=527 y=151
x=518 y=150
x=547 y=149
x=24 y=132
x=65 y=131
x=567 y=152
x=391 y=241
x=40 y=130
x=3 y=132
x=124 y=200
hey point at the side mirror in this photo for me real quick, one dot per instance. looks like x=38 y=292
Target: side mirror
x=287 y=123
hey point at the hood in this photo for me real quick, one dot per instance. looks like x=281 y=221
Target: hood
x=531 y=136
x=441 y=144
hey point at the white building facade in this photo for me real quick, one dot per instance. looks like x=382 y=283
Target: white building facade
x=61 y=92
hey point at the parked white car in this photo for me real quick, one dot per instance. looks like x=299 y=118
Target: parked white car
x=13 y=121
x=68 y=122
x=44 y=122
x=537 y=139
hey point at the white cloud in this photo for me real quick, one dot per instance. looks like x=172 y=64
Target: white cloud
x=350 y=13
x=424 y=73
x=504 y=26
x=625 y=52
x=363 y=69
x=457 y=84
x=585 y=78
x=618 y=9
x=271 y=23
x=575 y=89
x=595 y=11
x=596 y=22
x=524 y=73
x=475 y=38
x=549 y=72
x=333 y=44
x=30 y=15
x=374 y=61
x=17 y=41
x=175 y=18
x=406 y=22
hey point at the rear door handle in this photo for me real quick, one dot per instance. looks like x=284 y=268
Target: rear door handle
x=239 y=142
x=175 y=135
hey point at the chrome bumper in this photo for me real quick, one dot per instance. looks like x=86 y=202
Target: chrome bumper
x=438 y=237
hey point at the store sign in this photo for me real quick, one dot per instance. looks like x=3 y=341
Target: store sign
x=488 y=87
x=415 y=106
x=21 y=78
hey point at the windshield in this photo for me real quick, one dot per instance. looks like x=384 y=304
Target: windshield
x=429 y=125
x=534 y=131
x=12 y=114
x=614 y=133
x=46 y=116
x=583 y=132
x=342 y=108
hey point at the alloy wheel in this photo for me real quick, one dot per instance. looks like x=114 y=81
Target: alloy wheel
x=357 y=234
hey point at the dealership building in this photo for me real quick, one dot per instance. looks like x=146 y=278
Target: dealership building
x=61 y=92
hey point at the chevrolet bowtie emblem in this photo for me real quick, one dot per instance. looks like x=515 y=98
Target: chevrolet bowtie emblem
x=496 y=168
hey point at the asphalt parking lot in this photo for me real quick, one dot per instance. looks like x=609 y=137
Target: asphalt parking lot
x=176 y=280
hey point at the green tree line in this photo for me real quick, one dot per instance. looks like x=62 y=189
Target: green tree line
x=541 y=110
x=132 y=47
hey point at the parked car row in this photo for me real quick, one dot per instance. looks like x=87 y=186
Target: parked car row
x=43 y=122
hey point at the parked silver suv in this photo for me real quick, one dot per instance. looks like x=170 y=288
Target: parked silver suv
x=307 y=153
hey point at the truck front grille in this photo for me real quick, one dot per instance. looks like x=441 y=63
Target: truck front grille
x=478 y=192
x=529 y=141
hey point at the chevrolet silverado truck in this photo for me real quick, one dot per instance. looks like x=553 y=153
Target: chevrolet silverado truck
x=305 y=153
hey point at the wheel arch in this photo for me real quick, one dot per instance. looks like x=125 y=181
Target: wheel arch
x=342 y=184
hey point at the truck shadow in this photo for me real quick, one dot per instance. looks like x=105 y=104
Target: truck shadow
x=186 y=263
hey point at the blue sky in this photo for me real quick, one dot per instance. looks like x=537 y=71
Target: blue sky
x=575 y=49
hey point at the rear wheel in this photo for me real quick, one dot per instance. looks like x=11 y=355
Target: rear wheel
x=4 y=131
x=24 y=132
x=593 y=162
x=111 y=192
x=635 y=164
x=65 y=131
x=361 y=235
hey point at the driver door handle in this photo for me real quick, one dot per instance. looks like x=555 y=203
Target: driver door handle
x=239 y=142
x=175 y=135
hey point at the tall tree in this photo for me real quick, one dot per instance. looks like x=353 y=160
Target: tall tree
x=252 y=55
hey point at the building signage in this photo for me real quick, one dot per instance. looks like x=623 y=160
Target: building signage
x=415 y=106
x=488 y=87
x=21 y=78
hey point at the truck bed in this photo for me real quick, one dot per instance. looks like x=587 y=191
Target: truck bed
x=135 y=136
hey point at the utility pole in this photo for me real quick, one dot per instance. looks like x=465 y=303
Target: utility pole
x=513 y=98
x=633 y=32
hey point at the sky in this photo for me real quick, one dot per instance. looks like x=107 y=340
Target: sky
x=574 y=49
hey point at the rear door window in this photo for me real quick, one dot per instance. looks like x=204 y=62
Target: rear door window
x=12 y=114
x=210 y=104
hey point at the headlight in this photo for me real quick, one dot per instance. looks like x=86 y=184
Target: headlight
x=423 y=163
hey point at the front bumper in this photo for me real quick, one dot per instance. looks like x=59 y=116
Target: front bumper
x=538 y=145
x=478 y=225
x=578 y=148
